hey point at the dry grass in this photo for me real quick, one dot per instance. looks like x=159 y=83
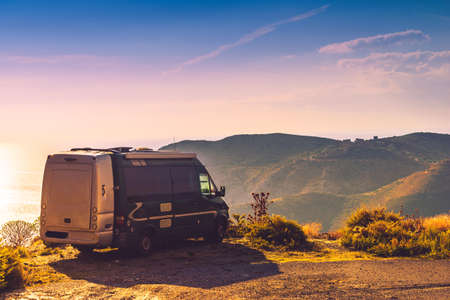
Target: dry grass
x=276 y=232
x=24 y=266
x=331 y=235
x=12 y=273
x=386 y=233
x=312 y=230
x=437 y=223
x=322 y=251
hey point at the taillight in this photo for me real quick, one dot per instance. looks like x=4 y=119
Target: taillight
x=94 y=218
x=120 y=220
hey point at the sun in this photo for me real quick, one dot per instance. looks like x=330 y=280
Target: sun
x=6 y=168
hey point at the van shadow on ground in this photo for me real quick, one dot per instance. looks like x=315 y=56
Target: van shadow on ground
x=187 y=263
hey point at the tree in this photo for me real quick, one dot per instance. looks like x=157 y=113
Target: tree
x=17 y=233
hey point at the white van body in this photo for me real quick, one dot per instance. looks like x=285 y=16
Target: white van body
x=96 y=198
x=78 y=199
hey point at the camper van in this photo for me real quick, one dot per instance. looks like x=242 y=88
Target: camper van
x=127 y=198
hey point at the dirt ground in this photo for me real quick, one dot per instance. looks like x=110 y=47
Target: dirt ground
x=196 y=270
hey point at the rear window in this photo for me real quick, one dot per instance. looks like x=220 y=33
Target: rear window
x=146 y=181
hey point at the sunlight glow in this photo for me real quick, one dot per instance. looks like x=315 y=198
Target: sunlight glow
x=7 y=158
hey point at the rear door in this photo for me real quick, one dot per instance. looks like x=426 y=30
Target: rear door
x=70 y=194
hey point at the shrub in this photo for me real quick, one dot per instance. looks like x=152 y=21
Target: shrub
x=333 y=235
x=11 y=269
x=259 y=205
x=312 y=230
x=388 y=234
x=17 y=233
x=37 y=224
x=439 y=222
x=238 y=226
x=276 y=231
x=363 y=216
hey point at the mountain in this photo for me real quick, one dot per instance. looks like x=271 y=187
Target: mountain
x=427 y=192
x=320 y=179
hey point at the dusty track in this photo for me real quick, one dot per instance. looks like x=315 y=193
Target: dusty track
x=233 y=271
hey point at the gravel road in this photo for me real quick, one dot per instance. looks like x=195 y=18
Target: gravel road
x=232 y=271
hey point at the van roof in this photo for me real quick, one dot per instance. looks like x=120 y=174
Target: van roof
x=128 y=153
x=158 y=154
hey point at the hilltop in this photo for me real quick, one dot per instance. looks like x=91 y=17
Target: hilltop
x=320 y=179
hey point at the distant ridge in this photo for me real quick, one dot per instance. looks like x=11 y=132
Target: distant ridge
x=427 y=192
x=320 y=179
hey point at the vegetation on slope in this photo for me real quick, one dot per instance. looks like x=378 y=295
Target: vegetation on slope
x=424 y=193
x=385 y=233
x=252 y=149
x=323 y=180
x=11 y=269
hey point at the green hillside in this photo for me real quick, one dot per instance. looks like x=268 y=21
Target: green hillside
x=252 y=149
x=318 y=179
x=425 y=192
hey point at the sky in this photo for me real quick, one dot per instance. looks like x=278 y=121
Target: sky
x=146 y=73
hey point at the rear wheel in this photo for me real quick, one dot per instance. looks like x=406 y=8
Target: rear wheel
x=83 y=249
x=144 y=244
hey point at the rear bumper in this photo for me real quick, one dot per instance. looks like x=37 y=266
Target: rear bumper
x=85 y=238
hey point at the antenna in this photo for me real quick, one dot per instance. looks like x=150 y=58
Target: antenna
x=175 y=145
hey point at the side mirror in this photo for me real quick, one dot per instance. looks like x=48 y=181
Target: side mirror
x=221 y=191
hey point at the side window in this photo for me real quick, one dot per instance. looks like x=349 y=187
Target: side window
x=184 y=180
x=204 y=184
x=147 y=181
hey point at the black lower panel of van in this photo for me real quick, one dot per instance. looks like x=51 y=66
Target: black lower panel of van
x=56 y=234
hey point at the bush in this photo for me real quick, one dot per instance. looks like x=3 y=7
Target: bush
x=386 y=233
x=17 y=233
x=312 y=230
x=238 y=226
x=363 y=216
x=276 y=231
x=439 y=222
x=333 y=235
x=11 y=269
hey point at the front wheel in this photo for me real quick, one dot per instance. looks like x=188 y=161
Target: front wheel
x=218 y=234
x=144 y=244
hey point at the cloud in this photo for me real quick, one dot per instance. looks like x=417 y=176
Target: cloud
x=410 y=62
x=247 y=38
x=376 y=41
x=288 y=57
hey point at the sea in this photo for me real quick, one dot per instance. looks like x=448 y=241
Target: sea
x=20 y=198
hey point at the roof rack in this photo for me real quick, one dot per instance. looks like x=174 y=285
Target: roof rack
x=139 y=153
x=158 y=155
x=114 y=150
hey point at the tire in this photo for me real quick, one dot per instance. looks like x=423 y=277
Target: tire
x=144 y=244
x=83 y=249
x=219 y=232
